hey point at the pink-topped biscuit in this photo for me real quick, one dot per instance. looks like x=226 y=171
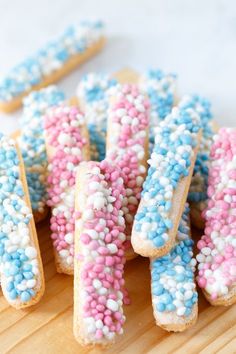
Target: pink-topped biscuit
x=127 y=147
x=67 y=145
x=217 y=257
x=99 y=254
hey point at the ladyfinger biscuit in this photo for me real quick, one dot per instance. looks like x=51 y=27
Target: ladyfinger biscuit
x=21 y=269
x=174 y=295
x=93 y=94
x=51 y=63
x=67 y=145
x=127 y=147
x=99 y=254
x=217 y=256
x=32 y=145
x=165 y=189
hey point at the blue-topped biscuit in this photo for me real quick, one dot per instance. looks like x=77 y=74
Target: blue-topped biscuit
x=21 y=267
x=50 y=59
x=174 y=295
x=166 y=185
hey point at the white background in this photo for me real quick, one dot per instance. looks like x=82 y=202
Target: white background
x=194 y=38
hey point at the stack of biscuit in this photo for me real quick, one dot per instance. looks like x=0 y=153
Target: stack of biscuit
x=125 y=167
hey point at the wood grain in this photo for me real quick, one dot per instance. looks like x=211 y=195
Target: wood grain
x=47 y=326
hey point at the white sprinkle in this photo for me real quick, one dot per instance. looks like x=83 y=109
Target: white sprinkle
x=164 y=181
x=179 y=295
x=31 y=283
x=112 y=248
x=178 y=303
x=112 y=305
x=189 y=286
x=200 y=258
x=97 y=284
x=21 y=287
x=99 y=324
x=30 y=252
x=181 y=311
x=64 y=253
x=64 y=139
x=91 y=328
x=99 y=203
x=69 y=238
x=69 y=260
x=188 y=294
x=126 y=120
x=105 y=330
x=122 y=237
x=93 y=234
x=88 y=214
x=121 y=112
x=179 y=269
x=206 y=251
x=146 y=226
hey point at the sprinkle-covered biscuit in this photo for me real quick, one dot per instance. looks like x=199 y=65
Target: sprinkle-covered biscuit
x=99 y=254
x=50 y=63
x=127 y=147
x=166 y=186
x=21 y=269
x=174 y=295
x=217 y=256
x=67 y=145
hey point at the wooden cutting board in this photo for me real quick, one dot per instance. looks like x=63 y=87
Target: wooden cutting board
x=47 y=327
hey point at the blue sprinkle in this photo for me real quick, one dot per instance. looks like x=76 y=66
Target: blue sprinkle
x=188 y=312
x=25 y=296
x=160 y=307
x=27 y=267
x=10 y=286
x=158 y=290
x=170 y=307
x=13 y=270
x=166 y=298
x=32 y=292
x=160 y=269
x=158 y=242
x=13 y=294
x=28 y=275
x=17 y=263
x=180 y=277
x=18 y=278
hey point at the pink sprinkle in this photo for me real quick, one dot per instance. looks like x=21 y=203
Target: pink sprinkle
x=99 y=334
